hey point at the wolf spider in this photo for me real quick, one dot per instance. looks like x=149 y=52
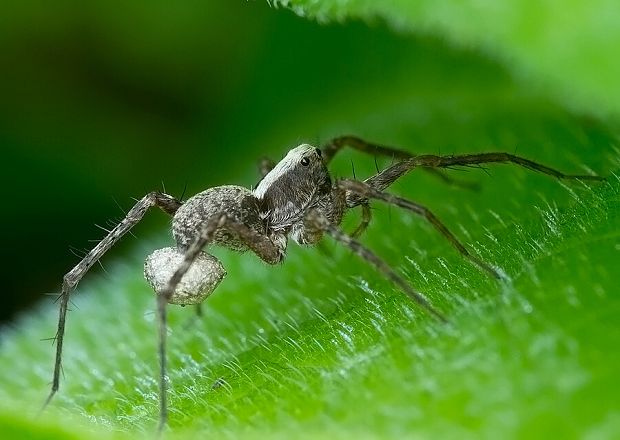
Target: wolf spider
x=297 y=199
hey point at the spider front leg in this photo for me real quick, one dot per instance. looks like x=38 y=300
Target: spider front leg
x=337 y=144
x=165 y=202
x=390 y=174
x=267 y=248
x=359 y=193
x=318 y=221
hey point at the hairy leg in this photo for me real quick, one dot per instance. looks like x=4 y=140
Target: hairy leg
x=267 y=249
x=167 y=203
x=390 y=174
x=337 y=144
x=366 y=218
x=359 y=192
x=321 y=222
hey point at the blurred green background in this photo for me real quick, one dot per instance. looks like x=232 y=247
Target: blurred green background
x=105 y=101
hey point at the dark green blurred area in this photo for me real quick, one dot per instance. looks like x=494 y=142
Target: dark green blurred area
x=105 y=101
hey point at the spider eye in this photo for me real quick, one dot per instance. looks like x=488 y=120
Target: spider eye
x=305 y=161
x=319 y=152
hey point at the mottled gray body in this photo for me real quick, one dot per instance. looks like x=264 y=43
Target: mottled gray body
x=275 y=210
x=296 y=198
x=237 y=202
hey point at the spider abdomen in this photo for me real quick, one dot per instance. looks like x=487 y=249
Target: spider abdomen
x=237 y=202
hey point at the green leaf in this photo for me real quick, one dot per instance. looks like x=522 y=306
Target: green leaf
x=569 y=49
x=323 y=346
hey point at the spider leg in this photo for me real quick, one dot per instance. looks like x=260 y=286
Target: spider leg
x=263 y=246
x=167 y=203
x=320 y=222
x=366 y=218
x=449 y=180
x=390 y=174
x=356 y=190
x=430 y=160
x=337 y=144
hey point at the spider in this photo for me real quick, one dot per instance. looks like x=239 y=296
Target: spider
x=297 y=199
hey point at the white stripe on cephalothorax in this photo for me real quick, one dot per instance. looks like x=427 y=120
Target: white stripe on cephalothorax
x=285 y=165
